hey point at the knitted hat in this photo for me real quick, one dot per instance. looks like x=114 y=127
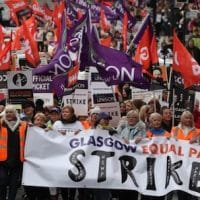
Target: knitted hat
x=104 y=115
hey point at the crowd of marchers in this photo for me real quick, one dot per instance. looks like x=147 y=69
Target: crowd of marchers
x=139 y=120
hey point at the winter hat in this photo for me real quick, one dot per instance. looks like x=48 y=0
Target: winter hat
x=55 y=109
x=95 y=110
x=104 y=115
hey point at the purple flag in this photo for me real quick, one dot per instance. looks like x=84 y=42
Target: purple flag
x=85 y=55
x=71 y=12
x=61 y=84
x=57 y=86
x=111 y=13
x=115 y=66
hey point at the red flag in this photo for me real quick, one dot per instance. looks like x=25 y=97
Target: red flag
x=124 y=31
x=31 y=23
x=184 y=63
x=5 y=57
x=107 y=3
x=142 y=54
x=72 y=75
x=16 y=38
x=146 y=52
x=19 y=33
x=30 y=45
x=57 y=15
x=1 y=33
x=1 y=37
x=15 y=7
x=103 y=21
x=37 y=9
x=48 y=12
x=153 y=51
x=106 y=41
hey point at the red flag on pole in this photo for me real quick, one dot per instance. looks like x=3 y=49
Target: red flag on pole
x=103 y=20
x=16 y=6
x=5 y=57
x=30 y=45
x=184 y=63
x=146 y=52
x=57 y=15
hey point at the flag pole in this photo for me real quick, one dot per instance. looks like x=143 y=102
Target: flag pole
x=11 y=60
x=173 y=102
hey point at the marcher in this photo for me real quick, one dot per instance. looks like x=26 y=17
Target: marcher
x=33 y=192
x=68 y=125
x=186 y=131
x=166 y=118
x=103 y=123
x=91 y=121
x=12 y=138
x=194 y=51
x=135 y=129
x=155 y=130
x=28 y=108
x=196 y=113
x=132 y=133
x=54 y=115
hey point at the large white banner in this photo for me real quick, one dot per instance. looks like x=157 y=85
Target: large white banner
x=94 y=159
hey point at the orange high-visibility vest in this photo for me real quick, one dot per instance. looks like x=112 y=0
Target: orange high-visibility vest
x=178 y=133
x=86 y=124
x=4 y=141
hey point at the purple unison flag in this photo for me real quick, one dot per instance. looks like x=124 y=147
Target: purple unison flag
x=115 y=66
x=61 y=84
x=74 y=35
x=85 y=54
x=57 y=86
x=71 y=12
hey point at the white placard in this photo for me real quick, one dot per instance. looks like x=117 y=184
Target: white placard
x=79 y=101
x=46 y=97
x=19 y=80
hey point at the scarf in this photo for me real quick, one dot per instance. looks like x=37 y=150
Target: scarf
x=12 y=125
x=157 y=131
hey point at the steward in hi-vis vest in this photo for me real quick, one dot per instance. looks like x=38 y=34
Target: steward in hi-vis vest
x=12 y=141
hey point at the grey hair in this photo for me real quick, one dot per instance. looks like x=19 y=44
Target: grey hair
x=186 y=113
x=133 y=113
x=155 y=114
x=10 y=107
